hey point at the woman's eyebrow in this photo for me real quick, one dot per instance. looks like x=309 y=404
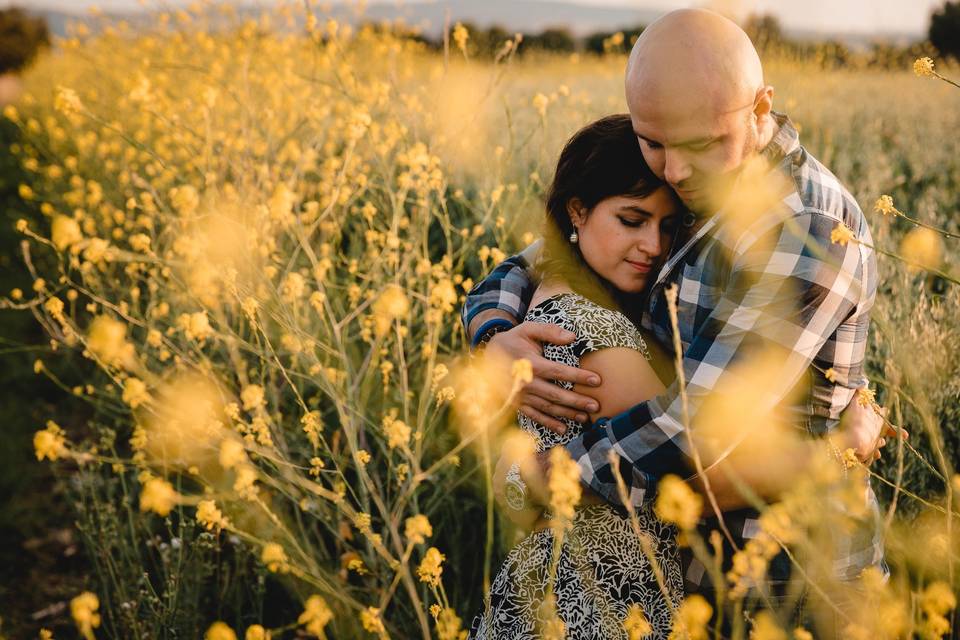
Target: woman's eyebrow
x=635 y=209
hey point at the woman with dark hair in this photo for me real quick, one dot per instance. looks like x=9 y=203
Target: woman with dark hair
x=610 y=222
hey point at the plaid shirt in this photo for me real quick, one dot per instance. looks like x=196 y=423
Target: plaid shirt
x=778 y=282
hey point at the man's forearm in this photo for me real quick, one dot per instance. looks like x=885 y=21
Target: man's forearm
x=486 y=315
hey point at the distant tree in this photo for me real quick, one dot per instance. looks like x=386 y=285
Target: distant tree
x=21 y=39
x=764 y=30
x=556 y=39
x=944 y=30
x=603 y=42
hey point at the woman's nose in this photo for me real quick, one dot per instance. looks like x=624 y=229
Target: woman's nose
x=649 y=242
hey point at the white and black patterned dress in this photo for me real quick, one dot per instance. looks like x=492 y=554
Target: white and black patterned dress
x=602 y=568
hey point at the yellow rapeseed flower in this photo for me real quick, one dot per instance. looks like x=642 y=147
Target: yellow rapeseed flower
x=923 y=248
x=106 y=338
x=252 y=397
x=135 y=392
x=522 y=371
x=370 y=620
x=256 y=632
x=64 y=232
x=158 y=495
x=842 y=234
x=923 y=67
x=392 y=304
x=50 y=443
x=460 y=37
x=316 y=615
x=83 y=610
x=691 y=619
x=884 y=205
x=417 y=528
x=676 y=503
x=210 y=516
x=430 y=567
x=219 y=631
x=636 y=624
x=275 y=558
x=564 y=485
x=232 y=453
x=448 y=625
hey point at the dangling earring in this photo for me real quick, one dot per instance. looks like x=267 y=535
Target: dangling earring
x=574 y=237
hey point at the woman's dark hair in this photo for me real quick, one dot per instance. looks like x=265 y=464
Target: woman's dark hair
x=601 y=160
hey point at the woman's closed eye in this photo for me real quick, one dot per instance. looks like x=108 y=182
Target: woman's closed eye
x=633 y=223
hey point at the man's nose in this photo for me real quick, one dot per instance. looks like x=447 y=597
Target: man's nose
x=676 y=168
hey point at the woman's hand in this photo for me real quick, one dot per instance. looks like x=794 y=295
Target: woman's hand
x=542 y=400
x=866 y=430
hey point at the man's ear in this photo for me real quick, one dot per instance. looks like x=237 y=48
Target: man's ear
x=576 y=211
x=763 y=102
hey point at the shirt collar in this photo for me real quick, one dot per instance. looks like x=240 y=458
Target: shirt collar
x=784 y=142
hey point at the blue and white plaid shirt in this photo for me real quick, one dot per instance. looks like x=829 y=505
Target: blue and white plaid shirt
x=777 y=282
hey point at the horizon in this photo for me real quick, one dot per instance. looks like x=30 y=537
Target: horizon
x=860 y=17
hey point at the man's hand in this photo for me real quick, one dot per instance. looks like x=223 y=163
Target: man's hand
x=541 y=399
x=865 y=430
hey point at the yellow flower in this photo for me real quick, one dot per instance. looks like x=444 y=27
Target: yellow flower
x=135 y=392
x=866 y=397
x=830 y=375
x=232 y=454
x=802 y=634
x=564 y=485
x=540 y=103
x=765 y=627
x=842 y=234
x=256 y=632
x=884 y=205
x=106 y=338
x=417 y=528
x=922 y=248
x=370 y=619
x=522 y=371
x=83 y=610
x=252 y=397
x=691 y=619
x=316 y=615
x=397 y=432
x=140 y=242
x=448 y=625
x=676 y=503
x=460 y=37
x=45 y=634
x=430 y=567
x=196 y=326
x=274 y=557
x=363 y=456
x=22 y=225
x=64 y=232
x=158 y=495
x=184 y=199
x=923 y=67
x=50 y=443
x=67 y=101
x=392 y=304
x=312 y=426
x=938 y=598
x=219 y=631
x=293 y=286
x=636 y=624
x=210 y=516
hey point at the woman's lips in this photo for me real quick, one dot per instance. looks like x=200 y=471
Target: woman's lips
x=642 y=267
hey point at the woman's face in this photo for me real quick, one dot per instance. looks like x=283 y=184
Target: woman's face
x=625 y=238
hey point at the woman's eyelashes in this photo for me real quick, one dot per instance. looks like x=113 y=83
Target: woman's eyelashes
x=633 y=223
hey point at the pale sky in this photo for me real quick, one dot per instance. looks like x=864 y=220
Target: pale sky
x=860 y=16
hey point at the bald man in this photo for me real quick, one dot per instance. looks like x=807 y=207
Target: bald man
x=757 y=274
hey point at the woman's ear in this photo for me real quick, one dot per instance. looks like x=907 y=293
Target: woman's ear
x=576 y=211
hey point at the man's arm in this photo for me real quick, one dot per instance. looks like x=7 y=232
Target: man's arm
x=787 y=292
x=505 y=293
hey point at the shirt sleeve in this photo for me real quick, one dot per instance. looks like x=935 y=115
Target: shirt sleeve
x=509 y=287
x=786 y=295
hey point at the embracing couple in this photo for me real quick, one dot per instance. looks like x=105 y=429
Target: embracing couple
x=647 y=204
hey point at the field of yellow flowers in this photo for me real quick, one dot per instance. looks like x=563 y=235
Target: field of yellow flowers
x=258 y=237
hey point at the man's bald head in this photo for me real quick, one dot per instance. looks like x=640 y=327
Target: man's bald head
x=695 y=51
x=697 y=99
